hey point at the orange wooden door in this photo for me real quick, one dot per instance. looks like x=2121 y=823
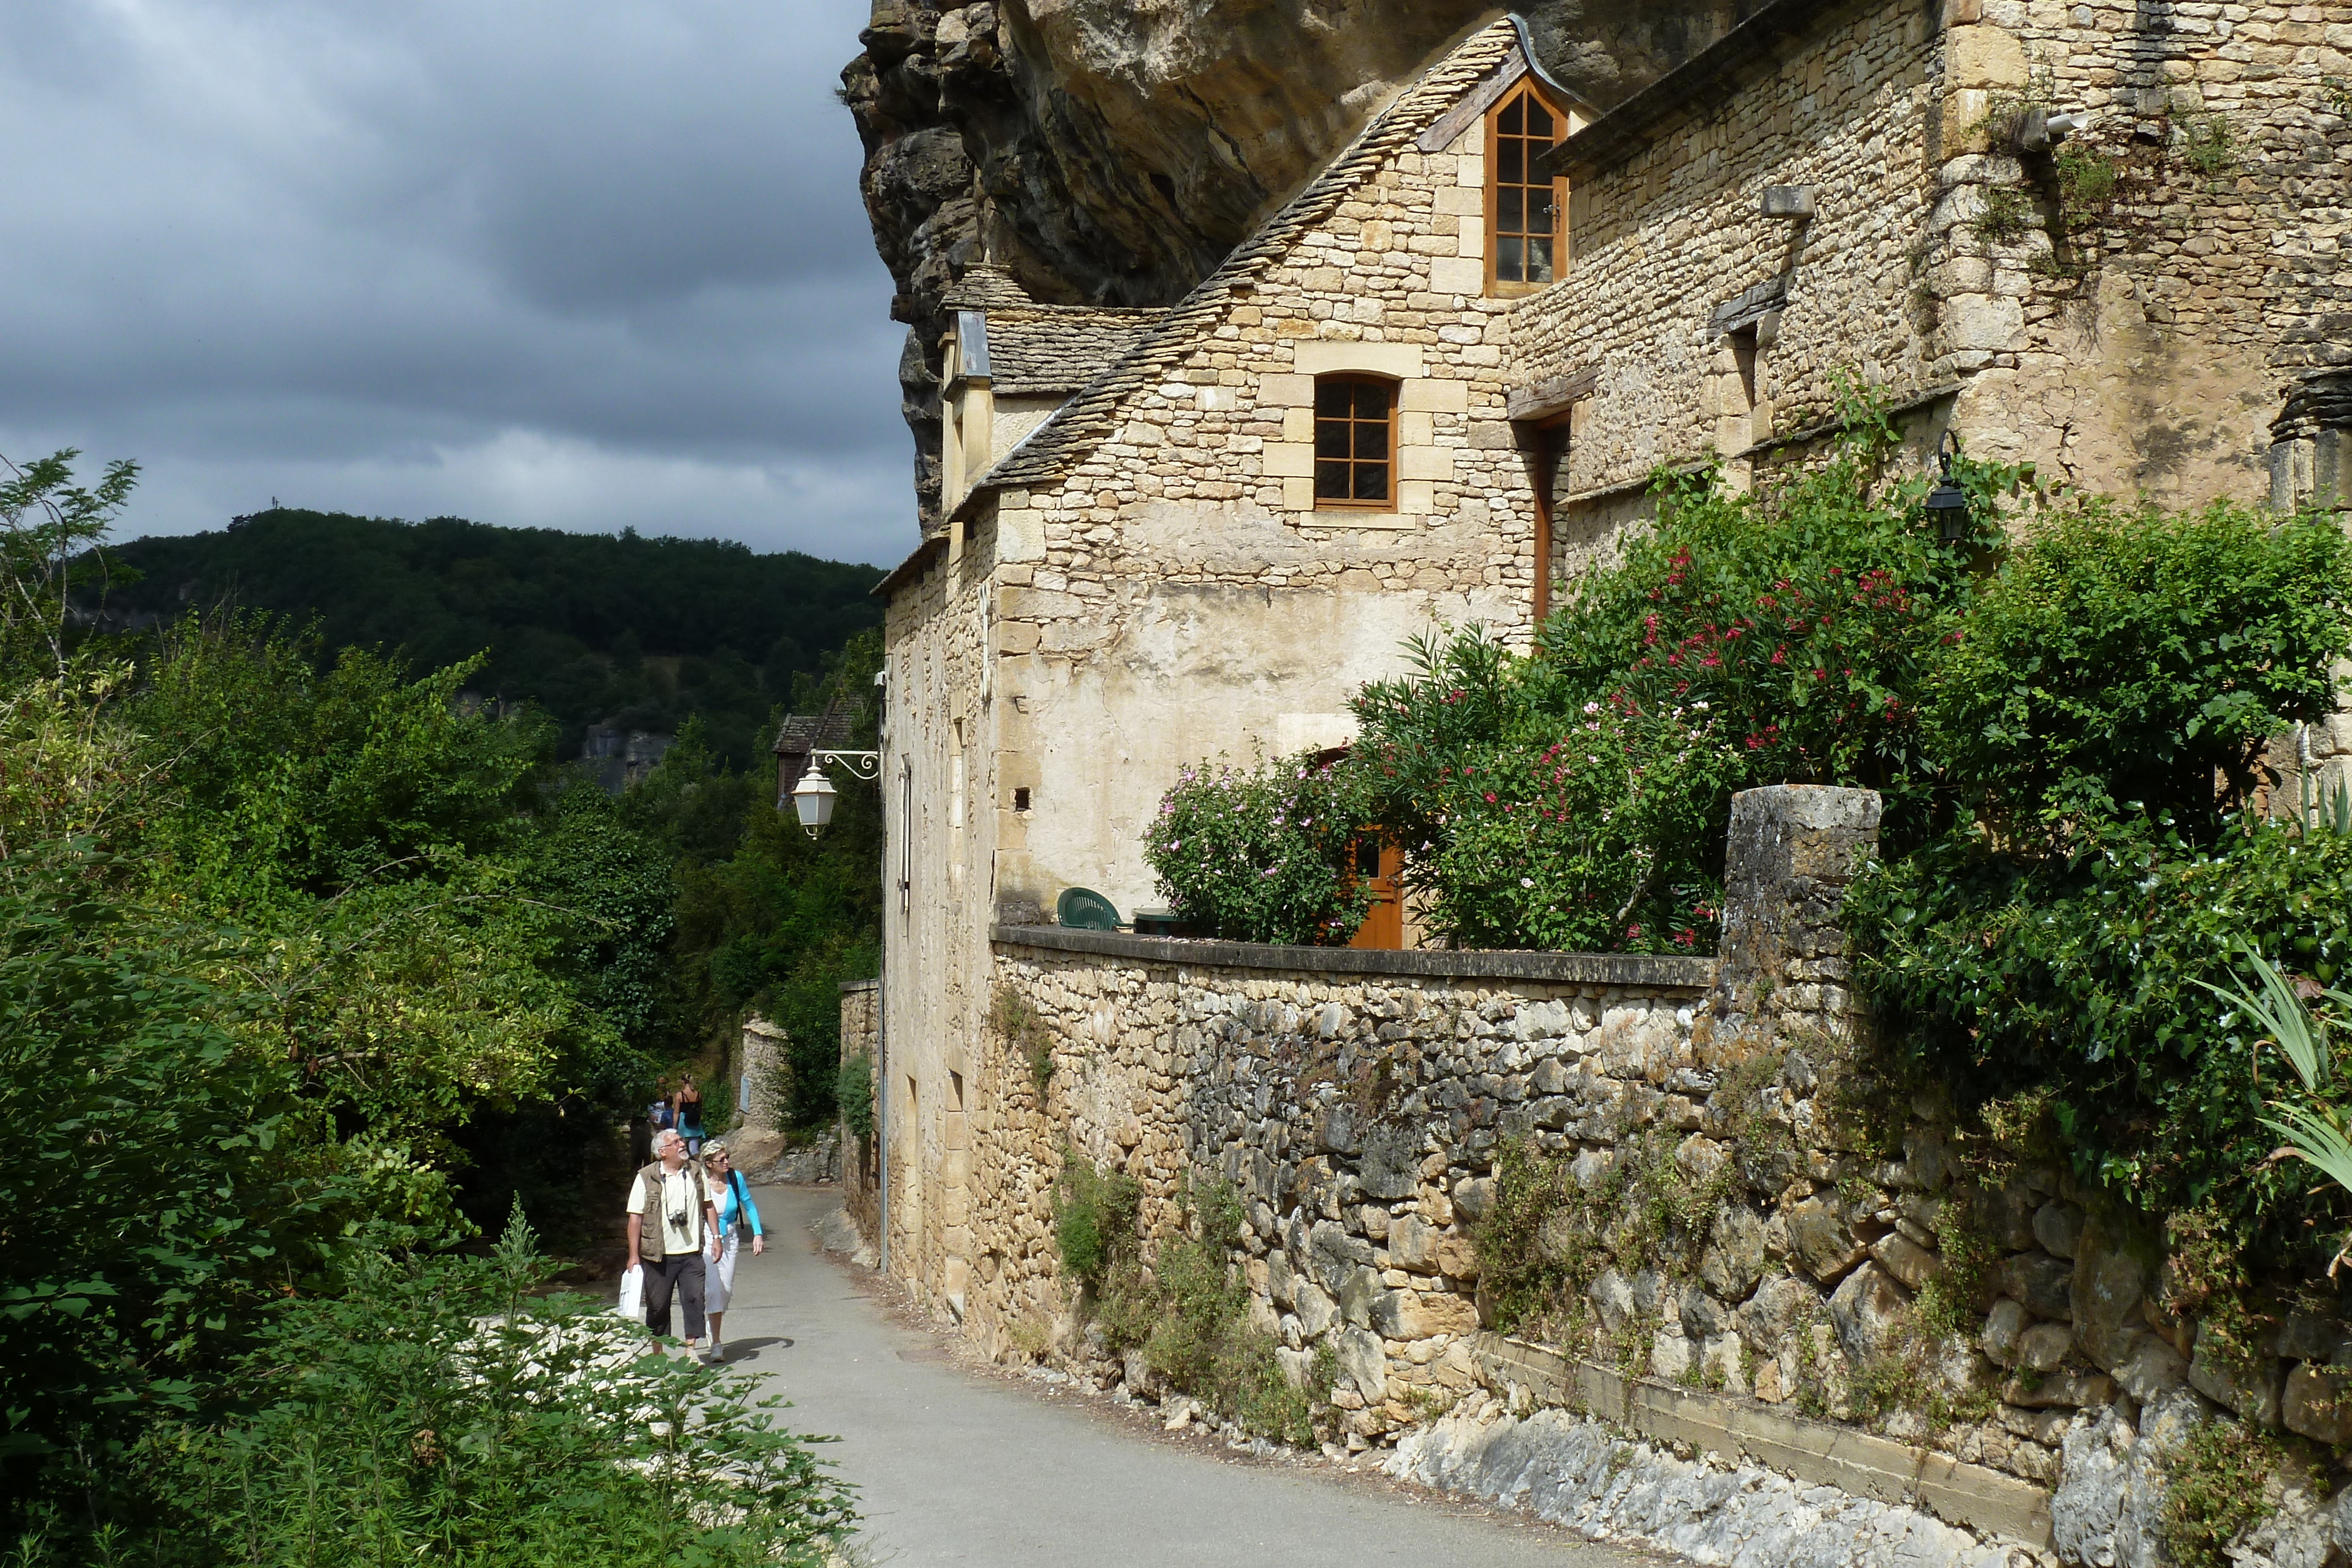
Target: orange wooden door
x=1380 y=865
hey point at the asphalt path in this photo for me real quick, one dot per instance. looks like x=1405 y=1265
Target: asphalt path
x=959 y=1463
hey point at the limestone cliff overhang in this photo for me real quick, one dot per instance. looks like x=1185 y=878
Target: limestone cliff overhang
x=1704 y=83
x=1055 y=447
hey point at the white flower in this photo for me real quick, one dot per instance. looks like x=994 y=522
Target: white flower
x=1526 y=882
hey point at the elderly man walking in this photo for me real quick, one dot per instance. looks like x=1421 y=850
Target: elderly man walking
x=672 y=1224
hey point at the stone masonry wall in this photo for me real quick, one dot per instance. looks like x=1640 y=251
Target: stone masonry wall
x=861 y=1035
x=1664 y=235
x=1360 y=1104
x=2143 y=334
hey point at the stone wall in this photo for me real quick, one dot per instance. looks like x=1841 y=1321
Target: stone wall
x=861 y=1035
x=1757 y=1221
x=1667 y=239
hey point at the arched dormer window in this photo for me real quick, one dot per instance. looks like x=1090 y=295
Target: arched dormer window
x=1526 y=238
x=1355 y=442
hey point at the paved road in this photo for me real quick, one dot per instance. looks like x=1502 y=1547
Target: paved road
x=955 y=1466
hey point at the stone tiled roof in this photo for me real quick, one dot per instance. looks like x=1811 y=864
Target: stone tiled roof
x=1059 y=349
x=1088 y=417
x=987 y=285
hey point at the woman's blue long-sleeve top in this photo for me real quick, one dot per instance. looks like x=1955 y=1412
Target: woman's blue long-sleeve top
x=735 y=1197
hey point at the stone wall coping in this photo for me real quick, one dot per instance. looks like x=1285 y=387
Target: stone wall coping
x=849 y=986
x=1822 y=1452
x=1633 y=971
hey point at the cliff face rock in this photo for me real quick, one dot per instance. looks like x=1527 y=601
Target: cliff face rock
x=1112 y=151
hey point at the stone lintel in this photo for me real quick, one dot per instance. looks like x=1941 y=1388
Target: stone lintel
x=1635 y=971
x=1822 y=1452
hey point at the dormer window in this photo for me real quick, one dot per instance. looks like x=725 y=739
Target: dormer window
x=1355 y=442
x=1526 y=226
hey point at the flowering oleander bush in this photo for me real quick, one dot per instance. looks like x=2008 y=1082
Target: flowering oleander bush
x=1260 y=854
x=1577 y=797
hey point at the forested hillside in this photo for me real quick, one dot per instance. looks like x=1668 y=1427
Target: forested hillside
x=634 y=630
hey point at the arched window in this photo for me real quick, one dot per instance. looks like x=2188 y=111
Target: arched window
x=1525 y=213
x=1355 y=442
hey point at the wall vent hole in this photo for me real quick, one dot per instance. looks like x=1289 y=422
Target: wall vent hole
x=1021 y=799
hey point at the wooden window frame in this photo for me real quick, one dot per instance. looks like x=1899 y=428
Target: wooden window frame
x=1392 y=387
x=1498 y=286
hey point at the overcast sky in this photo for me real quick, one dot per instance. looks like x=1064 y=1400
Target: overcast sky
x=579 y=264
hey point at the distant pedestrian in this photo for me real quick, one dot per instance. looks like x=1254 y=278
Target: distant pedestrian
x=686 y=1107
x=672 y=1224
x=737 y=1215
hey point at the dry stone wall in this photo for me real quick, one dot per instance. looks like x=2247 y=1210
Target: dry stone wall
x=1742 y=1214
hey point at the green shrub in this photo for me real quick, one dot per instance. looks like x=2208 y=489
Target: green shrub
x=2219 y=1486
x=1577 y=799
x=2074 y=985
x=2127 y=659
x=1261 y=854
x=446 y=1410
x=1011 y=1017
x=1094 y=1216
x=854 y=1091
x=1189 y=1312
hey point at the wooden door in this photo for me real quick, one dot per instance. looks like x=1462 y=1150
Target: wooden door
x=1379 y=864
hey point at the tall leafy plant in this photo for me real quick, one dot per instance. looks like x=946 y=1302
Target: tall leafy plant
x=1577 y=797
x=1263 y=853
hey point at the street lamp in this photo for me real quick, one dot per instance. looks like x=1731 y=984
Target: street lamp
x=1947 y=504
x=812 y=797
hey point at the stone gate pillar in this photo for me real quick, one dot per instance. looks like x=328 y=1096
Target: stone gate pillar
x=1782 y=966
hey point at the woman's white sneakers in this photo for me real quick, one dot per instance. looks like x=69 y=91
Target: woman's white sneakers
x=717 y=1355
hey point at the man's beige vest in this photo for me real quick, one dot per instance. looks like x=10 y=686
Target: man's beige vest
x=652 y=1236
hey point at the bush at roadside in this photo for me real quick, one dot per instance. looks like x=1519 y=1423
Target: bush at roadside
x=444 y=1411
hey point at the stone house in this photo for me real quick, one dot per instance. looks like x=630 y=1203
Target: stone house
x=2105 y=238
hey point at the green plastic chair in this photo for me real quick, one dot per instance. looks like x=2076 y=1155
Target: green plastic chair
x=1083 y=909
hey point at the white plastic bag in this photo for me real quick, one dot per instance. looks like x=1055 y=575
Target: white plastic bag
x=633 y=1294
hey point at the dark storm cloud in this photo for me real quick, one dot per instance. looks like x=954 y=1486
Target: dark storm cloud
x=575 y=265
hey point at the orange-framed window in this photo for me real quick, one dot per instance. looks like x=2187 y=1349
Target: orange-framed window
x=1355 y=442
x=1526 y=215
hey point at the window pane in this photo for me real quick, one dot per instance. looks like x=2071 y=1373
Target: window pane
x=1539 y=261
x=1331 y=481
x=1331 y=398
x=1514 y=117
x=1372 y=441
x=1545 y=213
x=1368 y=856
x=1373 y=401
x=1331 y=437
x=1538 y=120
x=1506 y=258
x=1372 y=481
x=1511 y=210
x=1510 y=162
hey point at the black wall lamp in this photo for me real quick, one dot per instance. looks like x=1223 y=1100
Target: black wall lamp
x=1947 y=504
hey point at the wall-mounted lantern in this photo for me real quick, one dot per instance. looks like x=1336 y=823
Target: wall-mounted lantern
x=803 y=745
x=1947 y=504
x=812 y=797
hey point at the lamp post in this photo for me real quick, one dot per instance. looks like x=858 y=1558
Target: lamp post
x=1947 y=504
x=812 y=797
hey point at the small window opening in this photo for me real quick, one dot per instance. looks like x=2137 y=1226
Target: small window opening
x=1743 y=358
x=1021 y=799
x=1523 y=211
x=1355 y=439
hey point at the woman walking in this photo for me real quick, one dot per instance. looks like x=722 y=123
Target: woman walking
x=686 y=1108
x=732 y=1195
